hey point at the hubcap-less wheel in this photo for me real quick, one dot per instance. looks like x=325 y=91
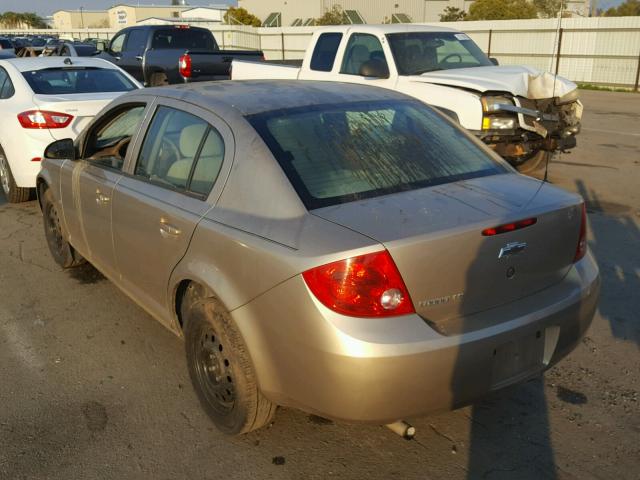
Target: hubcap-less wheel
x=214 y=371
x=4 y=174
x=55 y=238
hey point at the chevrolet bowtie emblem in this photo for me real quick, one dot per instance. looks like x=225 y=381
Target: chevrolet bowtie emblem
x=512 y=248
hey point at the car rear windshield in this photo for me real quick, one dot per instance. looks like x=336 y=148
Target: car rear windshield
x=183 y=39
x=60 y=81
x=340 y=153
x=422 y=52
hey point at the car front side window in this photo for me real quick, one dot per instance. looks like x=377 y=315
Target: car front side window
x=109 y=141
x=362 y=48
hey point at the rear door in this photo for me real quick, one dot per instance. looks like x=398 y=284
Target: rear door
x=166 y=191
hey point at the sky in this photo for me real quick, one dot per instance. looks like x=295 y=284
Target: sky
x=47 y=7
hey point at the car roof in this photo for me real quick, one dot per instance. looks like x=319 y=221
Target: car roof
x=39 y=63
x=386 y=29
x=249 y=97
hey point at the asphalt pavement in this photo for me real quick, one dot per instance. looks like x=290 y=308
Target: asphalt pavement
x=91 y=387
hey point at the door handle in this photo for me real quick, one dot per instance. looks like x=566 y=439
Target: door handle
x=101 y=198
x=167 y=230
x=139 y=58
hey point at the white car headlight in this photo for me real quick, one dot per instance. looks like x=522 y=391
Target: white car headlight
x=492 y=103
x=499 y=123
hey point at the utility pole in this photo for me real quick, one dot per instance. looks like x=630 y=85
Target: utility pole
x=81 y=17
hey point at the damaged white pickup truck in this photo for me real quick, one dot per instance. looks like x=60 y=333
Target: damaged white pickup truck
x=520 y=112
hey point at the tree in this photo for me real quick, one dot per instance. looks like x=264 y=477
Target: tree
x=501 y=10
x=452 y=14
x=335 y=16
x=240 y=16
x=19 y=20
x=630 y=8
x=549 y=8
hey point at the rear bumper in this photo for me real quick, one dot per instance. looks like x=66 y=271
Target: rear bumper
x=20 y=153
x=378 y=371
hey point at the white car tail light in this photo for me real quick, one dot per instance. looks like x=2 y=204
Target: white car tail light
x=44 y=119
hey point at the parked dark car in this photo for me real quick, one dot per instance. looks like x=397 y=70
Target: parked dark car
x=162 y=55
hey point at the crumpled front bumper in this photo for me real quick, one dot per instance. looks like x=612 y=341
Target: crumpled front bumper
x=543 y=125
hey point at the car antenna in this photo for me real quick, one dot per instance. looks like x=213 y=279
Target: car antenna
x=555 y=76
x=67 y=61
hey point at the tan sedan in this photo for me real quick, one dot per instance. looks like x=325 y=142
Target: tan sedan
x=341 y=249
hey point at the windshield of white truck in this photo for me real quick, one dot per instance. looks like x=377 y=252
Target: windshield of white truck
x=338 y=153
x=421 y=52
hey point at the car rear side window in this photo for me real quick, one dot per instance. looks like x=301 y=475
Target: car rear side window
x=334 y=154
x=61 y=81
x=181 y=151
x=6 y=85
x=324 y=55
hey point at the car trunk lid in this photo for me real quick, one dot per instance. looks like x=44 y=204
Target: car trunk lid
x=450 y=268
x=83 y=107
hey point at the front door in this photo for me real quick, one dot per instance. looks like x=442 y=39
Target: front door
x=361 y=49
x=133 y=53
x=94 y=177
x=157 y=206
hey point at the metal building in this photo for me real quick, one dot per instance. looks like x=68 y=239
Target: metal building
x=287 y=12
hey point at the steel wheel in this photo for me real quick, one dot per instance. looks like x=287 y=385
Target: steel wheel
x=220 y=367
x=54 y=236
x=4 y=174
x=213 y=370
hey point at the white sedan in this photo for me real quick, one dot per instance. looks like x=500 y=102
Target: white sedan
x=47 y=99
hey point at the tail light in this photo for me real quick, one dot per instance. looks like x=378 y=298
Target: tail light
x=184 y=65
x=365 y=286
x=581 y=249
x=44 y=119
x=509 y=227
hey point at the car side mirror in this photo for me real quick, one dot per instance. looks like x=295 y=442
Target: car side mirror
x=61 y=150
x=494 y=61
x=374 y=68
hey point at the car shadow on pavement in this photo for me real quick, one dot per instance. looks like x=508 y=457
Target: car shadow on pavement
x=614 y=239
x=510 y=427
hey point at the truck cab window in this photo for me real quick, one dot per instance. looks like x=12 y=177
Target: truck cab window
x=325 y=52
x=362 y=47
x=137 y=41
x=117 y=43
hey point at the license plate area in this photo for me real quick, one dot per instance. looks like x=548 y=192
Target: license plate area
x=517 y=359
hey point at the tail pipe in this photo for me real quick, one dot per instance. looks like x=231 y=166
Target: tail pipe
x=403 y=429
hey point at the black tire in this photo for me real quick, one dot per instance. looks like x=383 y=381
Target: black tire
x=535 y=163
x=12 y=192
x=221 y=370
x=158 y=80
x=61 y=251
